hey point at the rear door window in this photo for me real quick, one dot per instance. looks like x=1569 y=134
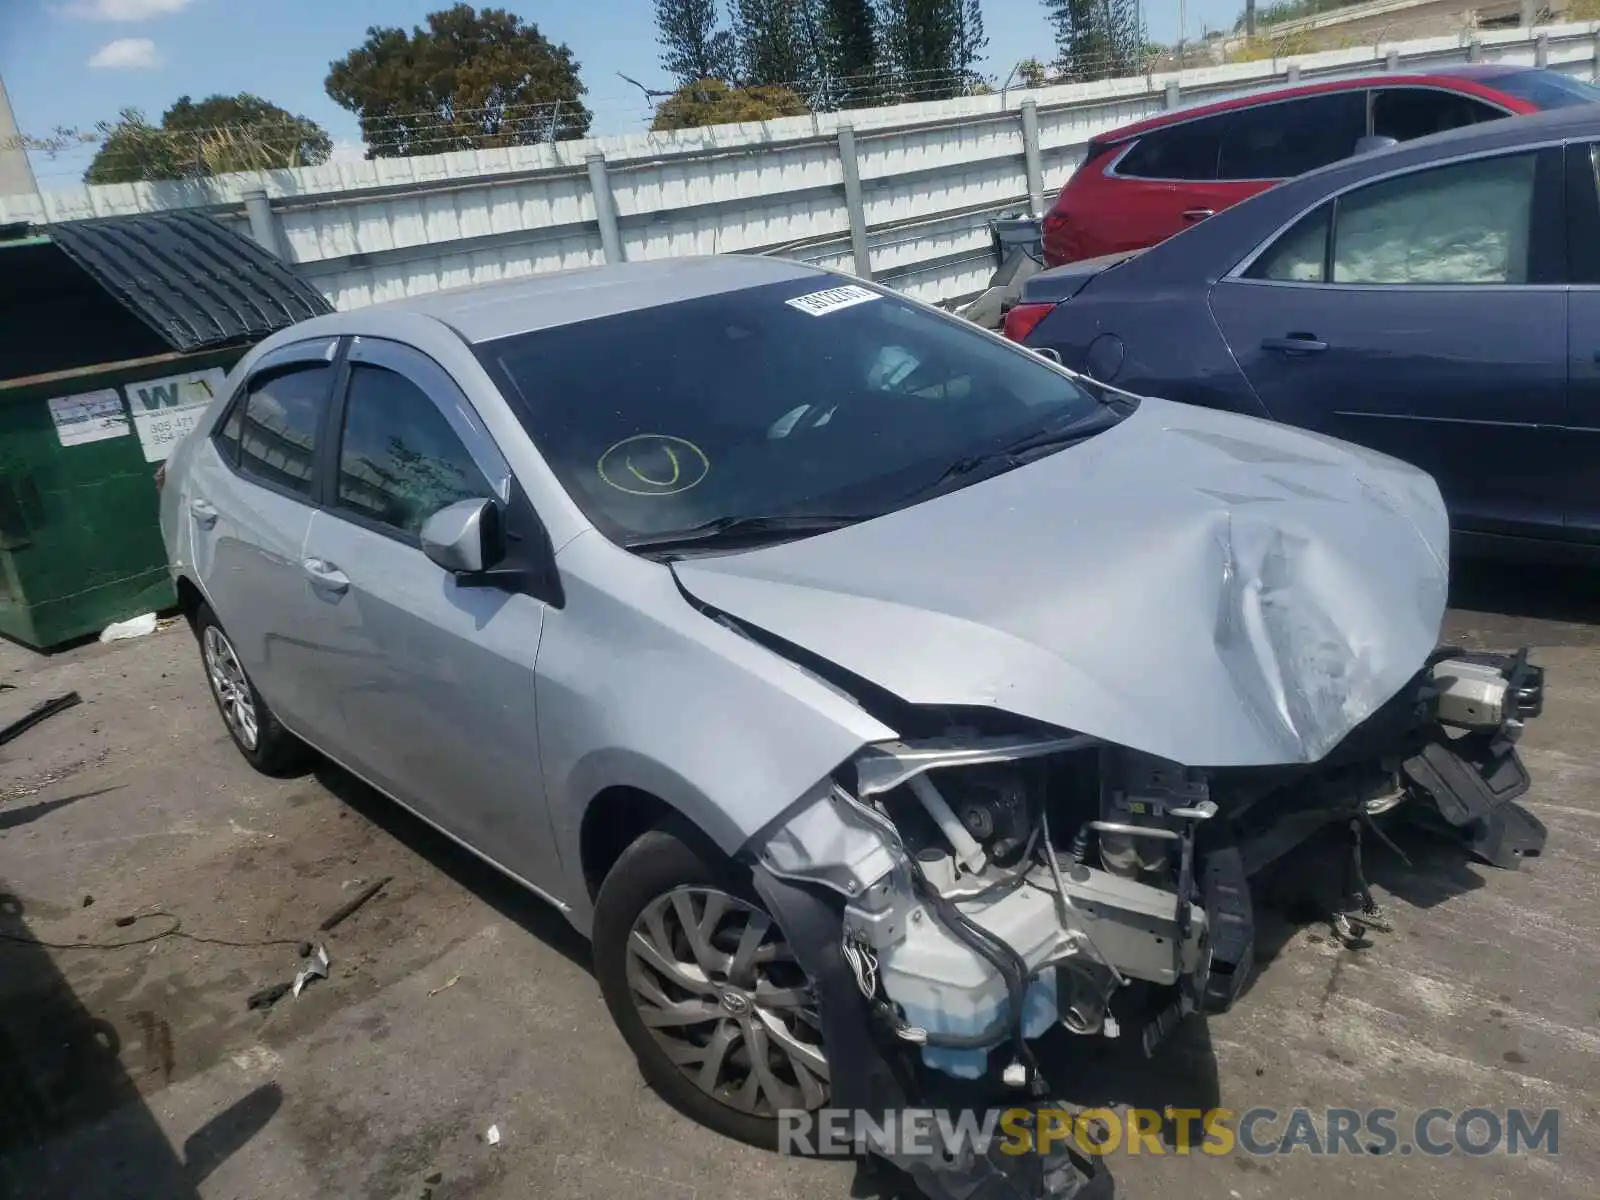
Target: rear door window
x=1404 y=113
x=278 y=432
x=1278 y=141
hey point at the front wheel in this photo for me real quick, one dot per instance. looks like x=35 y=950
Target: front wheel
x=705 y=989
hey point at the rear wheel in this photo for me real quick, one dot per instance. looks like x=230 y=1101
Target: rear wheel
x=265 y=744
x=705 y=989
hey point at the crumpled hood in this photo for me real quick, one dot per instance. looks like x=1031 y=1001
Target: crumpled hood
x=1208 y=588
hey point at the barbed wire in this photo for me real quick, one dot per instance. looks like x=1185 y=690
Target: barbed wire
x=430 y=131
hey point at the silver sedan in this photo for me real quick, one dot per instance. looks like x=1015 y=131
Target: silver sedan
x=876 y=694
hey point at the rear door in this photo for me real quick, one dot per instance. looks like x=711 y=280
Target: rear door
x=1579 y=459
x=249 y=499
x=432 y=681
x=1423 y=314
x=1161 y=183
x=1176 y=176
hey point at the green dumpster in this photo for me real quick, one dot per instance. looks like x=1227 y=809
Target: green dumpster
x=114 y=334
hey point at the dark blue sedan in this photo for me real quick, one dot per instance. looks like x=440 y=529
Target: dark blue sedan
x=1439 y=301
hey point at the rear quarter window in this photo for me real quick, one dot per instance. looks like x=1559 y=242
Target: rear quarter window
x=1187 y=151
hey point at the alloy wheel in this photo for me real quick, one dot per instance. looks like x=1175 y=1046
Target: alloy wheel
x=718 y=989
x=232 y=689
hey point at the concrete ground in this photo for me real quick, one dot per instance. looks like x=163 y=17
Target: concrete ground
x=456 y=1003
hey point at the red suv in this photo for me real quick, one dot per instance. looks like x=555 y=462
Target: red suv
x=1145 y=182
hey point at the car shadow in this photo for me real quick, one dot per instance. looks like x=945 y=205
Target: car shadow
x=1565 y=593
x=496 y=889
x=1303 y=889
x=72 y=1120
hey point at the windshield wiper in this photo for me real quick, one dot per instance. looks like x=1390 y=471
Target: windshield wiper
x=741 y=530
x=1011 y=453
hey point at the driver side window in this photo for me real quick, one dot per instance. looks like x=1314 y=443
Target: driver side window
x=399 y=460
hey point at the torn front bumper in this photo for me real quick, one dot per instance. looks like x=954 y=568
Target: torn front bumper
x=937 y=955
x=1474 y=776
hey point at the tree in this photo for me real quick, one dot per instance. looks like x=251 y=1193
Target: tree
x=713 y=102
x=469 y=80
x=931 y=46
x=777 y=41
x=694 y=45
x=1097 y=39
x=850 y=51
x=212 y=137
x=1031 y=73
x=970 y=39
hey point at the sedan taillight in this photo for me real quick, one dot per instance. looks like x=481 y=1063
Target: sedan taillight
x=1024 y=318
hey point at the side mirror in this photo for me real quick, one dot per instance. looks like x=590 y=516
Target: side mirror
x=1373 y=142
x=465 y=538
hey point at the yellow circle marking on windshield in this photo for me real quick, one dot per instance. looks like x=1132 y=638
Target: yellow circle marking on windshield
x=653 y=464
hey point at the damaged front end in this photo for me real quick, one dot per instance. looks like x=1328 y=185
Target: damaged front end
x=954 y=896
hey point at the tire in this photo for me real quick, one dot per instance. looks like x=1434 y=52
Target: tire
x=664 y=883
x=265 y=743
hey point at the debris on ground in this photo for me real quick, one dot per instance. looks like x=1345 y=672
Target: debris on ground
x=448 y=983
x=268 y=996
x=87 y=900
x=315 y=967
x=39 y=713
x=134 y=627
x=349 y=907
x=493 y=1136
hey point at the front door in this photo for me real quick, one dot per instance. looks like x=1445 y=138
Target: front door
x=432 y=681
x=1423 y=316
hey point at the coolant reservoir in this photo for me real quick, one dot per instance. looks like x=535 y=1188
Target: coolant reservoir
x=944 y=987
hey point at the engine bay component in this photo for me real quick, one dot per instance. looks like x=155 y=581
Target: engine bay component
x=997 y=885
x=968 y=853
x=887 y=765
x=1471 y=694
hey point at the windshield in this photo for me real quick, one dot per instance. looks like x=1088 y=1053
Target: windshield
x=812 y=396
x=1547 y=89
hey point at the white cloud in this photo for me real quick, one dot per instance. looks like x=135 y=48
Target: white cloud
x=124 y=10
x=345 y=151
x=127 y=54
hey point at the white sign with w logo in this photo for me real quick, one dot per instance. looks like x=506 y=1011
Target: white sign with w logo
x=166 y=409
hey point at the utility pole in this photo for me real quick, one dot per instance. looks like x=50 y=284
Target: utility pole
x=16 y=173
x=1250 y=18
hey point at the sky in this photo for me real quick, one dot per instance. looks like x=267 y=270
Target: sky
x=75 y=62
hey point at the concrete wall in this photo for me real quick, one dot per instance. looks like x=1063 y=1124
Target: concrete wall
x=930 y=177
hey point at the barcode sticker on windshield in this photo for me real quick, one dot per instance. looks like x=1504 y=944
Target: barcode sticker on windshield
x=819 y=304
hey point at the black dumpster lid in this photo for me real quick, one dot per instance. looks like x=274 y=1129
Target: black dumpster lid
x=191 y=279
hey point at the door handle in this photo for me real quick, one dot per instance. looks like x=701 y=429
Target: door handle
x=205 y=513
x=1198 y=214
x=1295 y=343
x=325 y=575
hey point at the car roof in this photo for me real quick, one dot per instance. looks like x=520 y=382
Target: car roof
x=508 y=307
x=1212 y=247
x=1482 y=74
